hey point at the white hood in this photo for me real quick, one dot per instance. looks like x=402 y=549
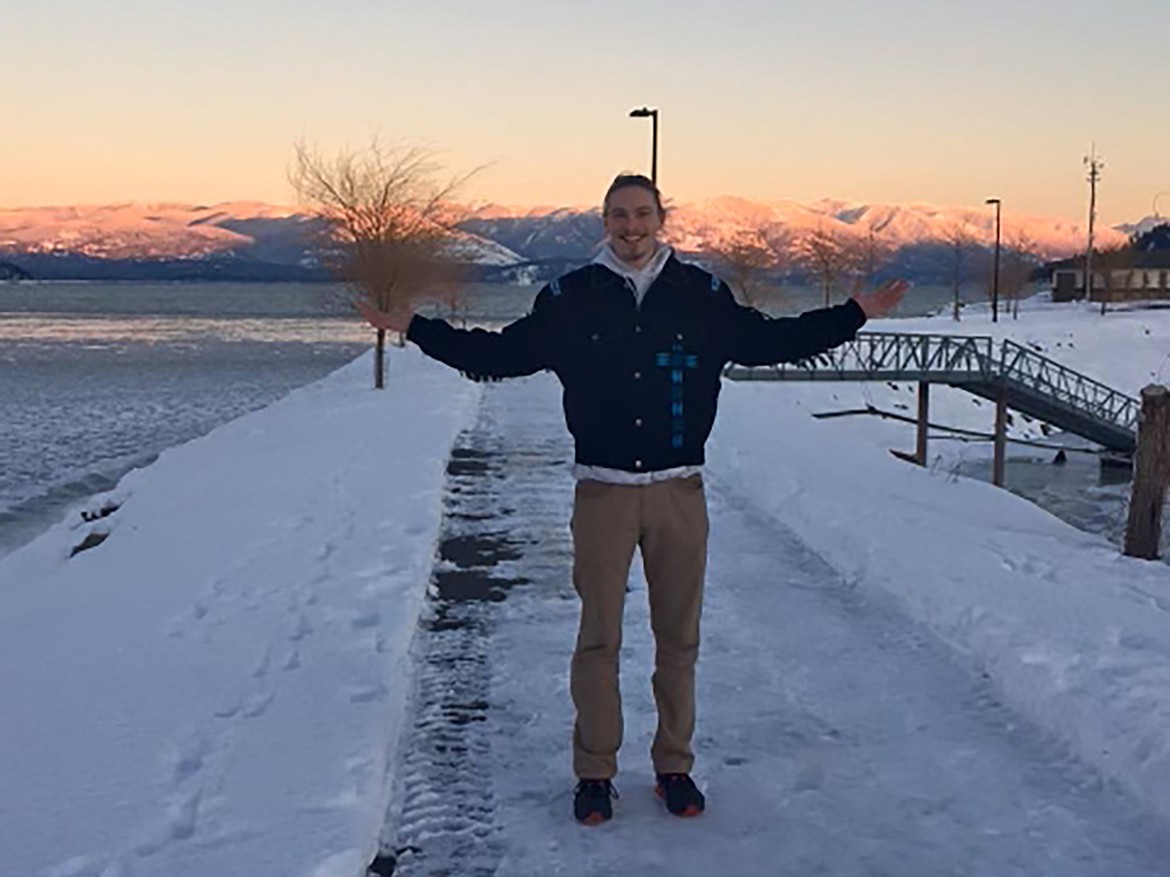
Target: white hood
x=641 y=278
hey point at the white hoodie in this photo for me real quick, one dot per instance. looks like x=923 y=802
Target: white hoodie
x=639 y=278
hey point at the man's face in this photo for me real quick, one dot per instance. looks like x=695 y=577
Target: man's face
x=632 y=224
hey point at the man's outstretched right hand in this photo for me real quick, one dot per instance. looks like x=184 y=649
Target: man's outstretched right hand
x=395 y=320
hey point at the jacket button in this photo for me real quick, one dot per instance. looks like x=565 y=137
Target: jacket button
x=637 y=376
x=638 y=329
x=637 y=464
x=680 y=336
x=637 y=421
x=596 y=336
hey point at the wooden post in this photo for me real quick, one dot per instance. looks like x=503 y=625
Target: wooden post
x=380 y=361
x=1000 y=463
x=923 y=421
x=1151 y=475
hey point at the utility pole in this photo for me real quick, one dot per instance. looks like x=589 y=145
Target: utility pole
x=1094 y=164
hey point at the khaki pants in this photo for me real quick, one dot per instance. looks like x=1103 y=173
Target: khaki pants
x=667 y=520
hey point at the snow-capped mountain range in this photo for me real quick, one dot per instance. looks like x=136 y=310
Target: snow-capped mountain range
x=713 y=224
x=181 y=231
x=495 y=236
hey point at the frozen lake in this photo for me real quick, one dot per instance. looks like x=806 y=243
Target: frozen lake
x=96 y=379
x=99 y=378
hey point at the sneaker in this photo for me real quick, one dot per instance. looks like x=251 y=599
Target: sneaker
x=591 y=801
x=680 y=793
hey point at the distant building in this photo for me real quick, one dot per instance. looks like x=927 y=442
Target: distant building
x=1135 y=276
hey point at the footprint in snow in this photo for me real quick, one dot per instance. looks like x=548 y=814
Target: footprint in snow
x=257 y=705
x=179 y=823
x=301 y=628
x=366 y=619
x=190 y=756
x=415 y=529
x=261 y=668
x=367 y=693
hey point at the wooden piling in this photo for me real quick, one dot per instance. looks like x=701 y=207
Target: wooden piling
x=923 y=421
x=1000 y=463
x=1151 y=475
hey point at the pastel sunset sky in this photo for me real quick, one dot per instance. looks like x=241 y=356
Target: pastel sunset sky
x=944 y=101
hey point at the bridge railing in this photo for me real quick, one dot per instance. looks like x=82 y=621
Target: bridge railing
x=958 y=359
x=886 y=354
x=1062 y=384
x=905 y=352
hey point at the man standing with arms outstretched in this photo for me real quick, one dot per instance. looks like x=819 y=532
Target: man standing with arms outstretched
x=638 y=340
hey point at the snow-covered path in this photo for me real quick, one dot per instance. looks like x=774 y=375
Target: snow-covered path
x=835 y=735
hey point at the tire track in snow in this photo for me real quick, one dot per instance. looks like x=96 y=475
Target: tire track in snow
x=442 y=817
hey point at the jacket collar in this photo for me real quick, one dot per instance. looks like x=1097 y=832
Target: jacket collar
x=673 y=273
x=643 y=276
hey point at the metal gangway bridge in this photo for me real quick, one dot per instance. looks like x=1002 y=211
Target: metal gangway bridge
x=1012 y=376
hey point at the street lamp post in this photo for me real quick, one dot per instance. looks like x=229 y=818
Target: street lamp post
x=641 y=113
x=995 y=270
x=1158 y=216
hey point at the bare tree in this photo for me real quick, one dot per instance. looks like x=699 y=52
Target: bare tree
x=782 y=249
x=389 y=222
x=782 y=243
x=960 y=240
x=828 y=256
x=458 y=303
x=1018 y=264
x=864 y=256
x=1113 y=263
x=748 y=258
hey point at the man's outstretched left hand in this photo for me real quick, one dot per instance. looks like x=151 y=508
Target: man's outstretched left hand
x=395 y=320
x=883 y=299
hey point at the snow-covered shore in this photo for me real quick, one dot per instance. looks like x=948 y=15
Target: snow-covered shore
x=218 y=687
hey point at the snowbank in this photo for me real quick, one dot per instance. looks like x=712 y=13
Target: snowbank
x=216 y=689
x=1076 y=636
